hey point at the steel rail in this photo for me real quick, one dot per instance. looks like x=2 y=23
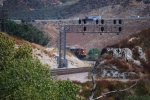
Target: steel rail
x=63 y=71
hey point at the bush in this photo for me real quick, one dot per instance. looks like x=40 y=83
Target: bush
x=143 y=87
x=29 y=80
x=92 y=52
x=24 y=51
x=28 y=32
x=6 y=50
x=24 y=78
x=145 y=97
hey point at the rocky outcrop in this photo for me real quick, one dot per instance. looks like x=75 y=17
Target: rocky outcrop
x=120 y=62
x=124 y=53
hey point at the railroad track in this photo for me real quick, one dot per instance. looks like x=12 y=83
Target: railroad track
x=86 y=59
x=63 y=71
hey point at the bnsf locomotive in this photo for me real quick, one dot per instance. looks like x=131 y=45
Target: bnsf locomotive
x=79 y=52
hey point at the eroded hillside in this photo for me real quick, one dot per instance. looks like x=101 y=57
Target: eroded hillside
x=128 y=59
x=55 y=9
x=48 y=55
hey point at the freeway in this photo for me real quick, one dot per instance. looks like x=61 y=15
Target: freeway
x=53 y=20
x=63 y=71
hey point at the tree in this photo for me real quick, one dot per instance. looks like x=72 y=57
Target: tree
x=24 y=51
x=6 y=50
x=28 y=32
x=24 y=78
x=3 y=18
x=92 y=53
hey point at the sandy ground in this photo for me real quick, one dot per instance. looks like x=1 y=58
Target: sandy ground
x=73 y=62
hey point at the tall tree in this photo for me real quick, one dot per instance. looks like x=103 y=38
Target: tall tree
x=3 y=18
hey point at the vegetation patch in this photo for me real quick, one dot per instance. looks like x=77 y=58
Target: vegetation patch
x=140 y=90
x=25 y=78
x=27 y=32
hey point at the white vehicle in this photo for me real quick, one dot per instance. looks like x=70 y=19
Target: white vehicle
x=134 y=16
x=92 y=18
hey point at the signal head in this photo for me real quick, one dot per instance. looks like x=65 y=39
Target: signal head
x=114 y=21
x=84 y=28
x=120 y=29
x=120 y=21
x=79 y=21
x=102 y=29
x=102 y=21
x=96 y=21
x=84 y=20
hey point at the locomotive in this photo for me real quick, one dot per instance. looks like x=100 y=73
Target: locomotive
x=78 y=52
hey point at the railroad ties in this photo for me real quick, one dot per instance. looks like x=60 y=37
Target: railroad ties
x=63 y=71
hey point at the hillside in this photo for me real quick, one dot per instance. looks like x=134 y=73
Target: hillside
x=120 y=64
x=18 y=5
x=92 y=40
x=55 y=9
x=25 y=78
x=127 y=59
x=48 y=55
x=81 y=8
x=122 y=70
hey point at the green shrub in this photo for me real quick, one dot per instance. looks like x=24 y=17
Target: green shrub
x=28 y=32
x=29 y=80
x=6 y=50
x=143 y=87
x=24 y=51
x=24 y=78
x=92 y=52
x=132 y=97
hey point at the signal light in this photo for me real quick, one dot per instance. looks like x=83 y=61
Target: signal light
x=102 y=21
x=114 y=21
x=84 y=20
x=84 y=28
x=96 y=21
x=79 y=21
x=120 y=29
x=120 y=21
x=102 y=29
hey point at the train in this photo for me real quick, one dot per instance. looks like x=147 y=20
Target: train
x=78 y=52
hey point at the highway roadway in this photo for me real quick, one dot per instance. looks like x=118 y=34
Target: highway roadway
x=54 y=20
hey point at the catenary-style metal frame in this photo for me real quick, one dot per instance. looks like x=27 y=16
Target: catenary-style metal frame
x=92 y=27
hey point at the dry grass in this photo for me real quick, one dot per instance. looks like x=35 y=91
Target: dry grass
x=121 y=64
x=19 y=40
x=39 y=47
x=148 y=55
x=141 y=39
x=106 y=56
x=104 y=86
x=49 y=53
x=69 y=53
x=33 y=45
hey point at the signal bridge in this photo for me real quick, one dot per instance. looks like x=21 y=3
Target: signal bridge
x=84 y=26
